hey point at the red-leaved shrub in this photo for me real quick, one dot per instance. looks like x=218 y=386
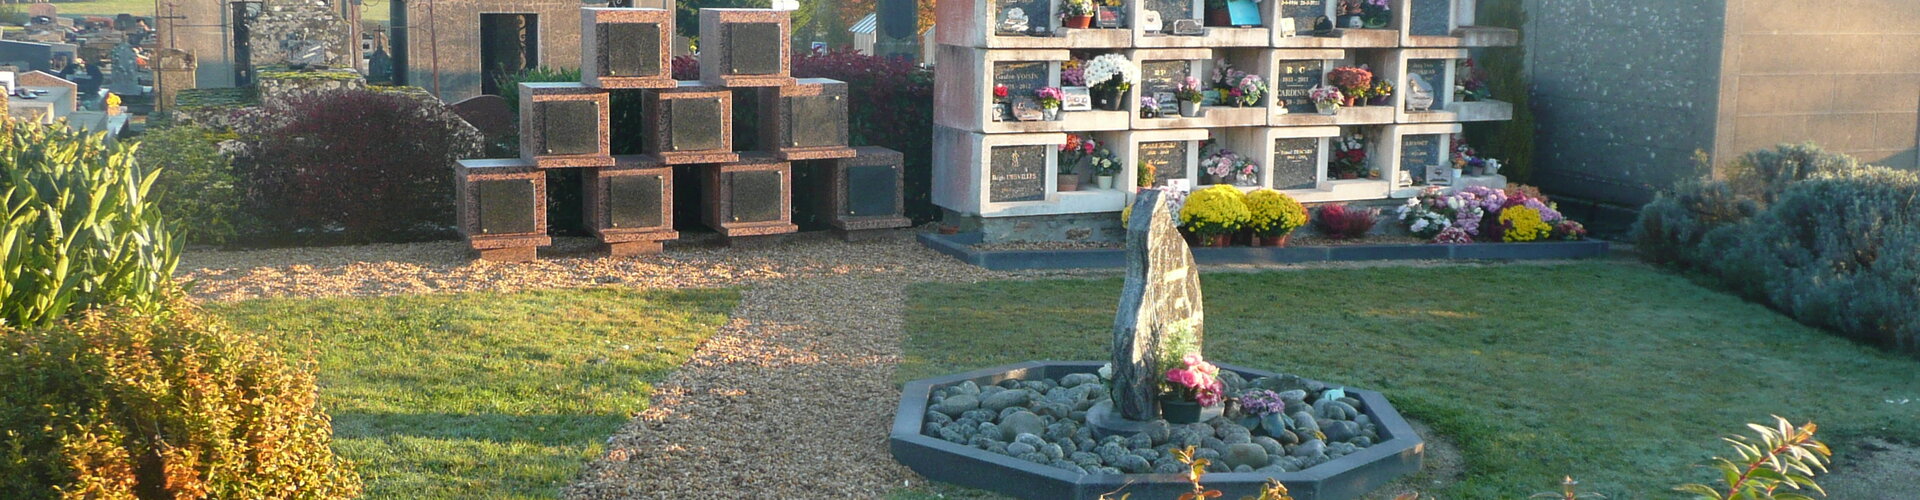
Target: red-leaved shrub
x=1343 y=222
x=354 y=165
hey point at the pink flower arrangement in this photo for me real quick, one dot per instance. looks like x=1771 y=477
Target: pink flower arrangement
x=1198 y=381
x=1049 y=97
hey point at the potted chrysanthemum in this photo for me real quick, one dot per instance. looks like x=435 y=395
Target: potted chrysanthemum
x=1190 y=389
x=1274 y=217
x=1109 y=77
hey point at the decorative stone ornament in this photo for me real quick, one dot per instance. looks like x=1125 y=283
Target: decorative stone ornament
x=1420 y=96
x=1015 y=21
x=1161 y=295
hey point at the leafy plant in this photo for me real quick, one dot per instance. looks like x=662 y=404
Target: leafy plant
x=1196 y=469
x=1783 y=455
x=510 y=84
x=1274 y=213
x=82 y=231
x=120 y=403
x=196 y=188
x=1342 y=222
x=1216 y=210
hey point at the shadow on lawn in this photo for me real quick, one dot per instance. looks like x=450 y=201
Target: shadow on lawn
x=545 y=430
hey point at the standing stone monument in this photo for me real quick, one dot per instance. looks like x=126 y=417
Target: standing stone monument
x=1161 y=296
x=125 y=79
x=173 y=71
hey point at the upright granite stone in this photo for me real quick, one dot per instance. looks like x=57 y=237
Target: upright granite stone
x=1161 y=296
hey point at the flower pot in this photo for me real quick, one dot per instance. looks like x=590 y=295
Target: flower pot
x=1380 y=100
x=1476 y=170
x=1327 y=108
x=1052 y=114
x=1109 y=100
x=1068 y=182
x=1104 y=181
x=1189 y=109
x=1180 y=412
x=949 y=229
x=1279 y=241
x=1348 y=175
x=1351 y=101
x=1216 y=240
x=1079 y=21
x=1219 y=17
x=1352 y=21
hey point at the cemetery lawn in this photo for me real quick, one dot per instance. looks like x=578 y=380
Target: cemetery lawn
x=1613 y=372
x=485 y=395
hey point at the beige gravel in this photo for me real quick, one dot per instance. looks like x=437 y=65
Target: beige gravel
x=791 y=399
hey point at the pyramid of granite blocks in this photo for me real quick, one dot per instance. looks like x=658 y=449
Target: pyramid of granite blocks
x=629 y=199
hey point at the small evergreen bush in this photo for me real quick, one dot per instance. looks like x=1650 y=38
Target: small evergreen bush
x=196 y=189
x=81 y=231
x=123 y=404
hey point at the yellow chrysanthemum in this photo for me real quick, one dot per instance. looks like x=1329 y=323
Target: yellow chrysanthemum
x=1219 y=209
x=1274 y=214
x=1523 y=224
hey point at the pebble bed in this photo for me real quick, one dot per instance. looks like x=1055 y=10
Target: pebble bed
x=1044 y=421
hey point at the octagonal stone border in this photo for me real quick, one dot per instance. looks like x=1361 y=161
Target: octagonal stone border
x=1398 y=453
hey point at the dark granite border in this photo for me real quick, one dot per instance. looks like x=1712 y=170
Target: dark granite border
x=1398 y=453
x=960 y=246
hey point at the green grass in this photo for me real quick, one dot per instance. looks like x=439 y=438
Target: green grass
x=485 y=395
x=104 y=8
x=1615 y=373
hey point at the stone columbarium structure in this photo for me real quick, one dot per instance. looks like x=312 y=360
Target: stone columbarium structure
x=629 y=199
x=998 y=165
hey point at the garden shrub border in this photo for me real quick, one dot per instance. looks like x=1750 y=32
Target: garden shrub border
x=961 y=246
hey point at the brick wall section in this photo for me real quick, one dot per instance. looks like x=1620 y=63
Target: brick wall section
x=1844 y=73
x=455 y=24
x=1624 y=93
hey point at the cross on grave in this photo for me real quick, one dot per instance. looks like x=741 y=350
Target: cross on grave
x=1161 y=296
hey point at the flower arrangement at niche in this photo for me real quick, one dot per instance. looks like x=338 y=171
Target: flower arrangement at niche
x=1327 y=98
x=1354 y=82
x=1273 y=216
x=1214 y=214
x=1479 y=213
x=1349 y=157
x=1189 y=90
x=1227 y=167
x=1369 y=14
x=1110 y=76
x=1237 y=88
x=1073 y=73
x=1149 y=107
x=1470 y=83
x=1381 y=93
x=1049 y=97
x=1076 y=148
x=1465 y=158
x=1076 y=13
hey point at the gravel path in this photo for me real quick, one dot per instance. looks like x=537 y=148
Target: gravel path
x=780 y=403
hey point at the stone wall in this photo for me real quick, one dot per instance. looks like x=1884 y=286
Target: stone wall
x=1624 y=93
x=200 y=27
x=1844 y=74
x=197 y=27
x=454 y=26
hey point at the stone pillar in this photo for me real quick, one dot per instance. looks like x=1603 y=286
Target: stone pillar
x=173 y=71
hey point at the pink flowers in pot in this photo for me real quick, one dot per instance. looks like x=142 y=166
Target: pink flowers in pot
x=1198 y=381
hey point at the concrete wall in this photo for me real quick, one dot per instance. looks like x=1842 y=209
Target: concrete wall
x=454 y=25
x=1843 y=73
x=1624 y=92
x=198 y=27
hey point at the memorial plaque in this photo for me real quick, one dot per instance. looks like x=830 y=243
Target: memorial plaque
x=754 y=48
x=1431 y=17
x=1303 y=13
x=630 y=49
x=1417 y=152
x=1037 y=11
x=1021 y=78
x=506 y=206
x=1295 y=81
x=1168 y=158
x=634 y=201
x=1171 y=10
x=816 y=121
x=1163 y=76
x=1434 y=70
x=1076 y=99
x=1017 y=173
x=695 y=124
x=757 y=195
x=1296 y=163
x=872 y=190
x=569 y=127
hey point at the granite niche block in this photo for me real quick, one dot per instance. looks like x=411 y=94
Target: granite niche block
x=806 y=120
x=502 y=208
x=626 y=48
x=564 y=125
x=691 y=123
x=629 y=206
x=863 y=192
x=750 y=197
x=745 y=47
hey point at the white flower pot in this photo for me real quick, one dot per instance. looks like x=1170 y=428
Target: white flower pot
x=1105 y=181
x=1327 y=108
x=1189 y=108
x=1052 y=114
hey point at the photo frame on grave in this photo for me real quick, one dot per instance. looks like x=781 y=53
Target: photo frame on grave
x=1439 y=176
x=1168 y=105
x=695 y=125
x=629 y=49
x=758 y=195
x=753 y=48
x=1013 y=21
x=872 y=190
x=1076 y=99
x=1243 y=13
x=569 y=127
x=1150 y=22
x=634 y=201
x=1299 y=17
x=1027 y=109
x=506 y=206
x=1188 y=27
x=807 y=116
x=1107 y=17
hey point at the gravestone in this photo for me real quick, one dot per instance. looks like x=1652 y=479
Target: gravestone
x=42 y=9
x=1303 y=13
x=1018 y=173
x=125 y=79
x=1168 y=158
x=757 y=195
x=1431 y=17
x=1417 y=152
x=1296 y=163
x=1295 y=81
x=1170 y=10
x=1162 y=76
x=1161 y=295
x=490 y=114
x=1021 y=78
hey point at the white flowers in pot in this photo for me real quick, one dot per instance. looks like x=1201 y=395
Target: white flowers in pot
x=1106 y=67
